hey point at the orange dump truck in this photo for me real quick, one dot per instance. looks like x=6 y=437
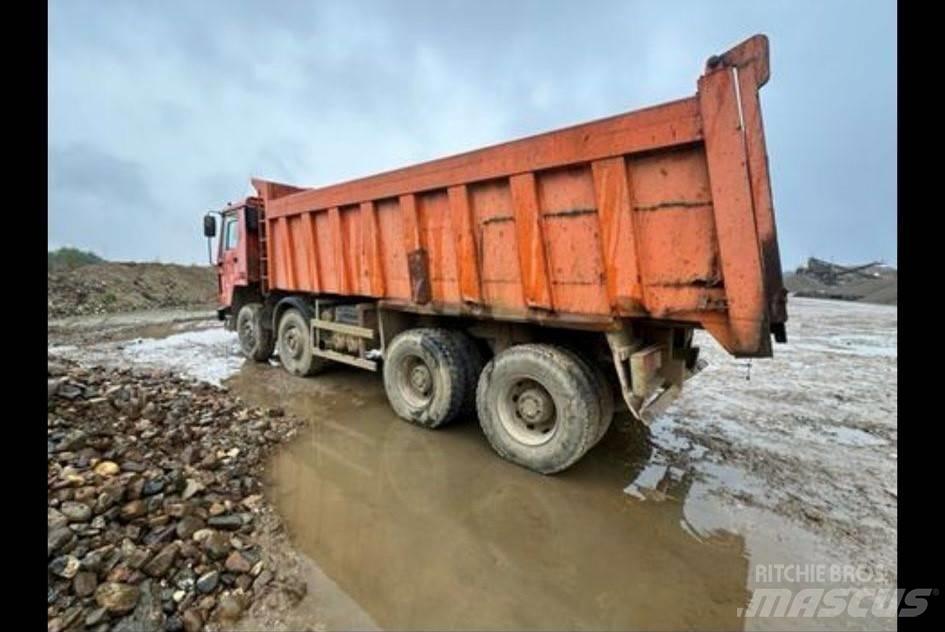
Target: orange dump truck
x=535 y=284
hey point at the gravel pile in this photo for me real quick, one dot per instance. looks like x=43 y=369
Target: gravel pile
x=156 y=519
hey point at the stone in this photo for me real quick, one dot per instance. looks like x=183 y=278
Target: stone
x=65 y=566
x=227 y=523
x=95 y=616
x=84 y=584
x=55 y=519
x=236 y=563
x=188 y=526
x=117 y=598
x=60 y=540
x=191 y=488
x=217 y=545
x=76 y=512
x=161 y=563
x=132 y=510
x=207 y=582
x=107 y=469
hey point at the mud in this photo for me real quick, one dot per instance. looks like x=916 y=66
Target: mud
x=665 y=528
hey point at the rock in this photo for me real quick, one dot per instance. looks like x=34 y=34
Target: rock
x=243 y=582
x=132 y=510
x=227 y=523
x=191 y=488
x=160 y=534
x=148 y=615
x=116 y=597
x=55 y=519
x=217 y=545
x=193 y=622
x=207 y=582
x=94 y=561
x=107 y=498
x=84 y=584
x=107 y=469
x=95 y=616
x=188 y=526
x=236 y=563
x=135 y=557
x=217 y=509
x=65 y=566
x=161 y=563
x=76 y=512
x=174 y=624
x=153 y=486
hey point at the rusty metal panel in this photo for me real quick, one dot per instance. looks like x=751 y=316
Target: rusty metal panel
x=732 y=206
x=618 y=235
x=433 y=216
x=536 y=285
x=464 y=233
x=499 y=265
x=372 y=277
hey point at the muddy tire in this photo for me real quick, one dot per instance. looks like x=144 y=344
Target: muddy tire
x=539 y=407
x=425 y=377
x=295 y=351
x=256 y=341
x=605 y=392
x=471 y=357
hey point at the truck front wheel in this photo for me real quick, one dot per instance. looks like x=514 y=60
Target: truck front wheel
x=539 y=407
x=294 y=345
x=256 y=341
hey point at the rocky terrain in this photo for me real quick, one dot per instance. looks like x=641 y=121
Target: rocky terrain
x=156 y=518
x=111 y=287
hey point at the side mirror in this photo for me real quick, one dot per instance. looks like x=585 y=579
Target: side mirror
x=209 y=226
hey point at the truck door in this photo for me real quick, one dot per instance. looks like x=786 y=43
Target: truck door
x=229 y=260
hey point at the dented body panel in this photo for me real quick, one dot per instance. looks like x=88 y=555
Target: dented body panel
x=659 y=214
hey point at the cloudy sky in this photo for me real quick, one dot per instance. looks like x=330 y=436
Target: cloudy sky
x=159 y=111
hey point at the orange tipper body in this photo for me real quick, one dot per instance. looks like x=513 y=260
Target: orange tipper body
x=663 y=213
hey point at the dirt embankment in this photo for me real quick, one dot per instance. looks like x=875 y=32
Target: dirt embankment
x=111 y=287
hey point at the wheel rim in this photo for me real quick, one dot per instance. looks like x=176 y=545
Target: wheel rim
x=416 y=381
x=293 y=342
x=528 y=412
x=248 y=333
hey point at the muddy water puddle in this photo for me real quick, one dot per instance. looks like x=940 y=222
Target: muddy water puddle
x=431 y=530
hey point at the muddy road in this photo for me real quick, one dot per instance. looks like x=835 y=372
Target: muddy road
x=789 y=461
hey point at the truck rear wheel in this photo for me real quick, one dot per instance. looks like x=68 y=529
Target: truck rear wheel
x=294 y=345
x=425 y=377
x=604 y=390
x=256 y=341
x=538 y=407
x=471 y=358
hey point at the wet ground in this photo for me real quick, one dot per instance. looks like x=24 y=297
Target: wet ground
x=664 y=528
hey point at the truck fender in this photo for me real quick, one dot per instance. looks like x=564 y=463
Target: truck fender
x=291 y=301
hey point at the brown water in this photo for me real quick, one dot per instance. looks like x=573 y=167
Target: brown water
x=431 y=530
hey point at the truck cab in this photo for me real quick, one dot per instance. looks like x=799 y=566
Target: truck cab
x=237 y=258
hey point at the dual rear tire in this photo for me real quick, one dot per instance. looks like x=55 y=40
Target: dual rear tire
x=540 y=406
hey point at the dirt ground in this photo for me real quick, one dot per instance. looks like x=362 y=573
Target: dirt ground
x=790 y=460
x=113 y=287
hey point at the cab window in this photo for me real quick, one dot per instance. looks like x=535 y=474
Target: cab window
x=230 y=233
